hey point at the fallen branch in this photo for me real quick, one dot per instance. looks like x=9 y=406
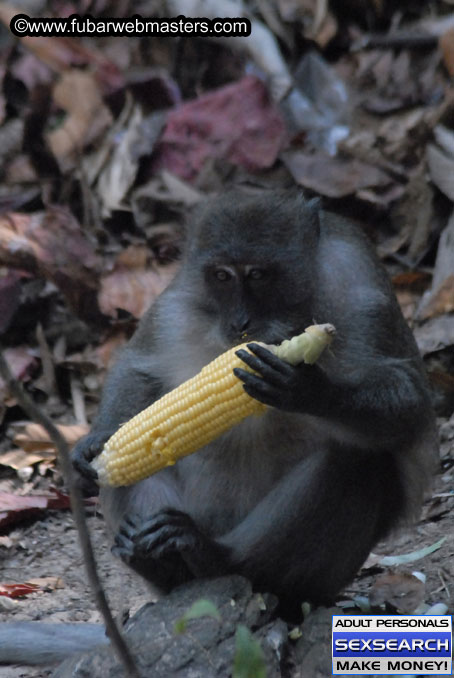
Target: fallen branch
x=78 y=510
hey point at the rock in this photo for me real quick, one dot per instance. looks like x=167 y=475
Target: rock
x=312 y=652
x=205 y=650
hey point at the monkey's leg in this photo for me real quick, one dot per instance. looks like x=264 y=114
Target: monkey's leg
x=307 y=538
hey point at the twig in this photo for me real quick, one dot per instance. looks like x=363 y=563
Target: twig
x=77 y=505
x=396 y=40
x=46 y=361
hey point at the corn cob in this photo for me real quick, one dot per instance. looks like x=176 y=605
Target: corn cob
x=195 y=413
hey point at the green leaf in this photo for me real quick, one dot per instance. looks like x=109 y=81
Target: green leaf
x=249 y=660
x=201 y=608
x=392 y=561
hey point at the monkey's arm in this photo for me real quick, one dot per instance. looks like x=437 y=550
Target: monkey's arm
x=380 y=395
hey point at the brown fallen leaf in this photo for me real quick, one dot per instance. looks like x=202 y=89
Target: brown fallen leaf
x=33 y=437
x=53 y=244
x=21 y=362
x=77 y=92
x=60 y=53
x=47 y=583
x=19 y=459
x=417 y=281
x=131 y=138
x=403 y=591
x=447 y=49
x=106 y=351
x=134 y=283
x=441 y=301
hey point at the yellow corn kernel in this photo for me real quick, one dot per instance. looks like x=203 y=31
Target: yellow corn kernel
x=194 y=414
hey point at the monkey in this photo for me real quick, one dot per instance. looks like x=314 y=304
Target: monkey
x=294 y=499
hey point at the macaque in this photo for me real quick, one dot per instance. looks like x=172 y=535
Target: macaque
x=295 y=499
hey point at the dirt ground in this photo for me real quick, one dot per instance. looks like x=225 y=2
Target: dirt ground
x=48 y=547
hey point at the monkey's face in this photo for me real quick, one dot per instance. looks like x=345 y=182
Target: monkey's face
x=249 y=264
x=254 y=301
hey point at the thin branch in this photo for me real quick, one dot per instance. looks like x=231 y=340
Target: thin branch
x=78 y=510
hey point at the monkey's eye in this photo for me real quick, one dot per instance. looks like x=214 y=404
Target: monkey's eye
x=222 y=275
x=256 y=274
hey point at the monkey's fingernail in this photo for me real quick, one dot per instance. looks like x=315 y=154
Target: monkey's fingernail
x=252 y=345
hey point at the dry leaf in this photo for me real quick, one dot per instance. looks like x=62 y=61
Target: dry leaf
x=447 y=49
x=21 y=362
x=261 y=43
x=441 y=168
x=34 y=437
x=435 y=335
x=60 y=53
x=403 y=591
x=136 y=139
x=47 y=583
x=17 y=590
x=134 y=283
x=19 y=459
x=54 y=244
x=441 y=301
x=77 y=93
x=105 y=353
x=238 y=123
x=333 y=177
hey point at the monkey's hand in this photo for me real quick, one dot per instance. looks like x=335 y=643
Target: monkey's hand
x=168 y=548
x=293 y=388
x=83 y=453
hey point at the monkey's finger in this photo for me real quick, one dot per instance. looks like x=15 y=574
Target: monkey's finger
x=130 y=524
x=271 y=359
x=258 y=388
x=172 y=518
x=122 y=548
x=177 y=544
x=83 y=466
x=266 y=371
x=87 y=486
x=160 y=542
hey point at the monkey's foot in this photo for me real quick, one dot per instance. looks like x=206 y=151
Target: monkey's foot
x=168 y=548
